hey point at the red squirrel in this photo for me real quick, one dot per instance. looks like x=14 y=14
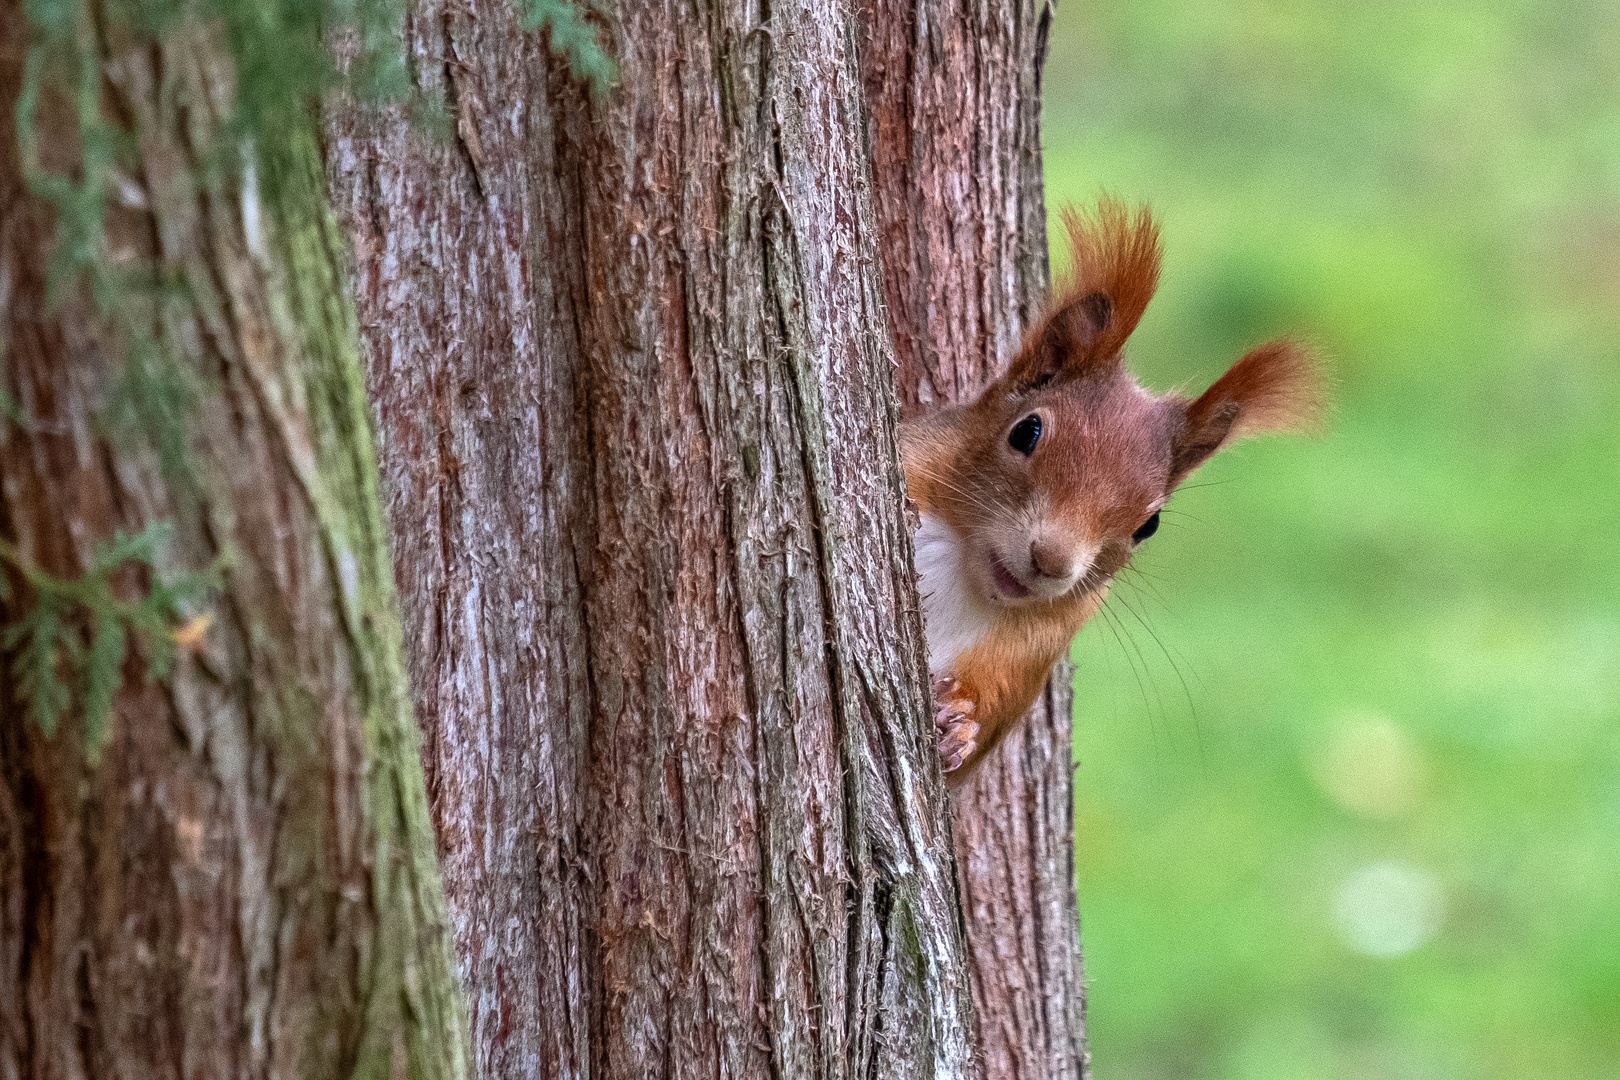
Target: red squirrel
x=1034 y=495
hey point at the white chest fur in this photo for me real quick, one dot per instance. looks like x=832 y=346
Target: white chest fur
x=953 y=617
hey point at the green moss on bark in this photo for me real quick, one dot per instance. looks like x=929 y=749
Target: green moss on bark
x=411 y=985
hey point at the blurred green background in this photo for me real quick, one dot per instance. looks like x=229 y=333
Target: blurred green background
x=1349 y=744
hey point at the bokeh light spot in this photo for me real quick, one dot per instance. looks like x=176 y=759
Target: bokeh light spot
x=1370 y=766
x=1388 y=908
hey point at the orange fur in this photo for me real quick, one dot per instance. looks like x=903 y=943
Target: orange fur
x=1004 y=674
x=1115 y=253
x=1115 y=256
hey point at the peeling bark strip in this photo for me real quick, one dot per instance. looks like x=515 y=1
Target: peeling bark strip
x=953 y=93
x=245 y=886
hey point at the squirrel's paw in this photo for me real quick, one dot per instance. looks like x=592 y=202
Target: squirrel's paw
x=957 y=734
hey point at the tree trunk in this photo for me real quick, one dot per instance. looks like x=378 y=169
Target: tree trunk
x=631 y=365
x=954 y=99
x=632 y=372
x=238 y=878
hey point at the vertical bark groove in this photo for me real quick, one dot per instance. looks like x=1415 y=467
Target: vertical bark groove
x=954 y=119
x=633 y=369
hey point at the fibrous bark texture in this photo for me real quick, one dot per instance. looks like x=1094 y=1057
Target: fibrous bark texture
x=632 y=360
x=954 y=98
x=244 y=884
x=631 y=364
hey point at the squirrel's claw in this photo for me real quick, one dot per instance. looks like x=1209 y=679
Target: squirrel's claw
x=957 y=734
x=958 y=744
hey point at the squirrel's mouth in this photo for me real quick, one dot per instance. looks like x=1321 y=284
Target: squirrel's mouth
x=1006 y=581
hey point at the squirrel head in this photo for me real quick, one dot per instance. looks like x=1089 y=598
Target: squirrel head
x=1067 y=459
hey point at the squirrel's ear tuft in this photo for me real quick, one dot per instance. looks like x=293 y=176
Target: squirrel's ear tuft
x=1115 y=270
x=1277 y=386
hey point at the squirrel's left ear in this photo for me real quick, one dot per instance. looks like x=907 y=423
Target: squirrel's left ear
x=1115 y=256
x=1274 y=387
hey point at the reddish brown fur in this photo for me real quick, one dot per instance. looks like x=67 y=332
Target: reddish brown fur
x=1114 y=254
x=1109 y=455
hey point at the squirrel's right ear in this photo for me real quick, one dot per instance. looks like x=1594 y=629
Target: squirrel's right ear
x=1115 y=256
x=1277 y=386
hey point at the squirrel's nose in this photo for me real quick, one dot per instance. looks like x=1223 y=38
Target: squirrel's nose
x=1049 y=559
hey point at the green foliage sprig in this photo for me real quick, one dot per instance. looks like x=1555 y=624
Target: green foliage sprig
x=64 y=54
x=283 y=63
x=82 y=625
x=153 y=399
x=574 y=38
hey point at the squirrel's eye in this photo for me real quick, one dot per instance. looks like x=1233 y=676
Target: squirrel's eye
x=1146 y=529
x=1025 y=434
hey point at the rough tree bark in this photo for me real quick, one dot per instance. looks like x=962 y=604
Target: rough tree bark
x=244 y=883
x=631 y=365
x=954 y=97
